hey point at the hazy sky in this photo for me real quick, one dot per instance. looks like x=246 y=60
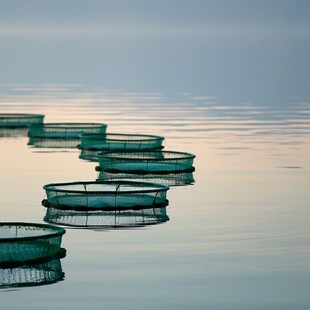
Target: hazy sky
x=236 y=50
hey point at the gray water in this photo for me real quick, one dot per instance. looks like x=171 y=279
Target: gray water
x=237 y=238
x=225 y=80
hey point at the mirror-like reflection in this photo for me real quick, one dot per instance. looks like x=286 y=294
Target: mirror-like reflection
x=89 y=155
x=113 y=219
x=13 y=132
x=169 y=179
x=48 y=272
x=53 y=143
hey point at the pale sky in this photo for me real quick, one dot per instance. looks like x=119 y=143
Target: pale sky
x=256 y=51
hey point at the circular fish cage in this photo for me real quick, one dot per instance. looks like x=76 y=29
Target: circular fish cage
x=20 y=120
x=48 y=272
x=64 y=130
x=116 y=141
x=107 y=195
x=100 y=218
x=146 y=162
x=169 y=179
x=25 y=243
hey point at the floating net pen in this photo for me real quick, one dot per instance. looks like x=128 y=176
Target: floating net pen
x=107 y=195
x=146 y=162
x=53 y=143
x=65 y=130
x=22 y=243
x=32 y=274
x=100 y=218
x=121 y=142
x=20 y=120
x=169 y=179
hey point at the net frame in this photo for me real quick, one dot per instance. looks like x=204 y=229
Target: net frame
x=123 y=195
x=156 y=162
x=13 y=120
x=119 y=141
x=32 y=248
x=64 y=130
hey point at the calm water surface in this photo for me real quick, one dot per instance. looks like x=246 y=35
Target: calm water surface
x=238 y=238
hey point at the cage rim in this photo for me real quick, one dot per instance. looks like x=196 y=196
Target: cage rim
x=109 y=155
x=98 y=136
x=59 y=231
x=158 y=187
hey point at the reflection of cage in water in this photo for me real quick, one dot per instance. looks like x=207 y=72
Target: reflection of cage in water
x=169 y=179
x=100 y=218
x=105 y=195
x=20 y=120
x=114 y=141
x=65 y=130
x=146 y=162
x=32 y=274
x=53 y=143
x=13 y=132
x=22 y=243
x=89 y=155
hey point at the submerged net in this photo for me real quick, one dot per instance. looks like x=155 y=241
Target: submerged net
x=22 y=243
x=146 y=162
x=32 y=274
x=89 y=155
x=65 y=130
x=107 y=195
x=53 y=143
x=120 y=142
x=169 y=179
x=20 y=120
x=99 y=218
x=13 y=132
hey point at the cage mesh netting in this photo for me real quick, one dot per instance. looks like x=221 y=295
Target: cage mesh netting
x=20 y=120
x=53 y=143
x=169 y=179
x=100 y=218
x=22 y=243
x=32 y=274
x=145 y=162
x=65 y=130
x=120 y=142
x=107 y=195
